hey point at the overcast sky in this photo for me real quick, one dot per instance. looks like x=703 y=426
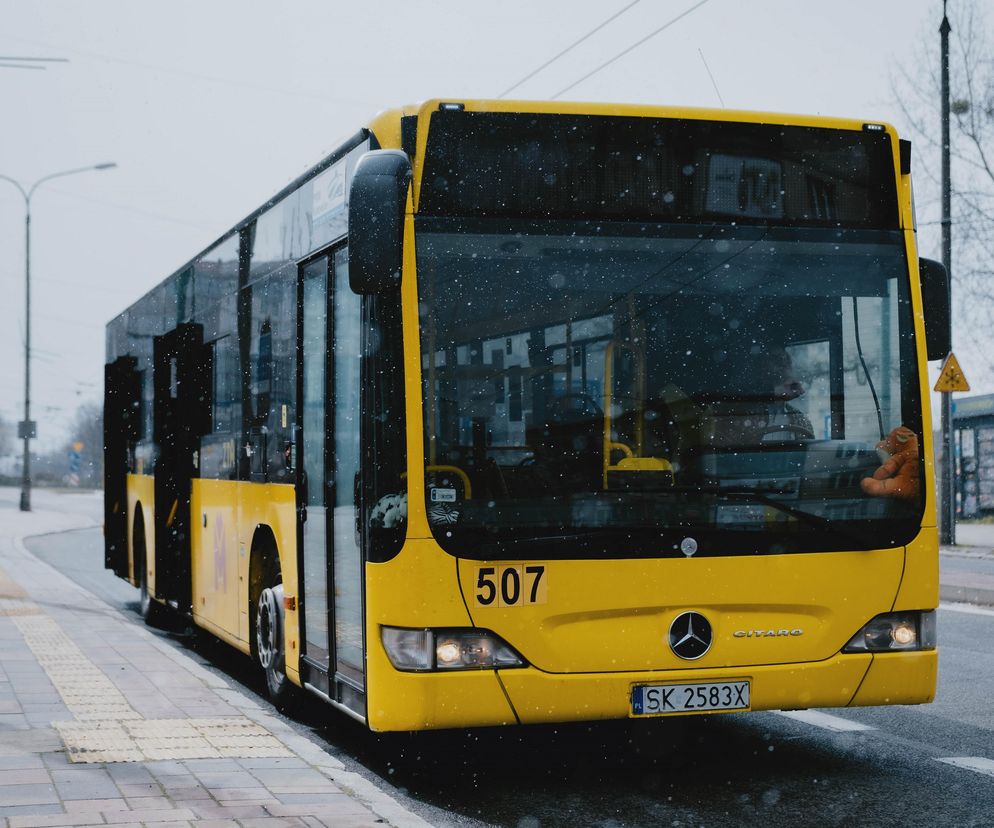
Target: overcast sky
x=209 y=108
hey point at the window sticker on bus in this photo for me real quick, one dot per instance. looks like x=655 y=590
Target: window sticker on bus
x=511 y=586
x=747 y=514
x=443 y=495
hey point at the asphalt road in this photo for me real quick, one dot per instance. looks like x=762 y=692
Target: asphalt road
x=755 y=769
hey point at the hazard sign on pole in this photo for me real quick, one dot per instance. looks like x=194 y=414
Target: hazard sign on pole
x=951 y=377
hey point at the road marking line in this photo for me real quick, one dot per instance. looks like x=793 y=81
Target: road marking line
x=971 y=609
x=974 y=763
x=824 y=720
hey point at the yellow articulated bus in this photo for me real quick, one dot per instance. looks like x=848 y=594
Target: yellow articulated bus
x=516 y=412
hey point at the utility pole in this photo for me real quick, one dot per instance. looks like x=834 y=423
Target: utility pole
x=947 y=514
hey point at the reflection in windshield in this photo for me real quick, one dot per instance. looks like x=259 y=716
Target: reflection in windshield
x=572 y=376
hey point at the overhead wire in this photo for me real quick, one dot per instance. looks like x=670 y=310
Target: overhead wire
x=569 y=48
x=15 y=62
x=184 y=73
x=199 y=225
x=714 y=83
x=634 y=46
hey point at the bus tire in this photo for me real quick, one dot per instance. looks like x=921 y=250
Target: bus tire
x=150 y=610
x=270 y=641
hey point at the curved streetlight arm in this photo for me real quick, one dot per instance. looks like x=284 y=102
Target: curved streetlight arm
x=42 y=180
x=17 y=184
x=26 y=194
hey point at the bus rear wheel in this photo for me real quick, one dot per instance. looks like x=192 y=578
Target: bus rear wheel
x=270 y=641
x=150 y=609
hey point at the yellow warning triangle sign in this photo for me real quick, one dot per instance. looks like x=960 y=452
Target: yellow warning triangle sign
x=951 y=377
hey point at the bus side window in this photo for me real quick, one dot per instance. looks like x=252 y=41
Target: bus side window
x=264 y=373
x=385 y=442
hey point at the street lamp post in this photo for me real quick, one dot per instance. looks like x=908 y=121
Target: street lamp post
x=26 y=428
x=947 y=513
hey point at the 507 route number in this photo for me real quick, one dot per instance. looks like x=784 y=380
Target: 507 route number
x=510 y=586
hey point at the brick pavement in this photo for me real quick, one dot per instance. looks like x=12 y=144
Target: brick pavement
x=82 y=687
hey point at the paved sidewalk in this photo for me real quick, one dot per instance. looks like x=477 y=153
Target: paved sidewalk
x=101 y=723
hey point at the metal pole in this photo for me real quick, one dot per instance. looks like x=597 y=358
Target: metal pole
x=947 y=517
x=27 y=426
x=26 y=470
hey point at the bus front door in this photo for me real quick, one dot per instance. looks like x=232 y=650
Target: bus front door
x=312 y=489
x=181 y=378
x=329 y=448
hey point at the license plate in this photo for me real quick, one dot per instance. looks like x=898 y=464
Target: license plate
x=663 y=699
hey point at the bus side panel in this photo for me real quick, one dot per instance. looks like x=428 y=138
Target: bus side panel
x=216 y=587
x=920 y=583
x=398 y=701
x=419 y=588
x=899 y=678
x=273 y=505
x=140 y=491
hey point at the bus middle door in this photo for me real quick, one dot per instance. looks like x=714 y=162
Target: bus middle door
x=181 y=376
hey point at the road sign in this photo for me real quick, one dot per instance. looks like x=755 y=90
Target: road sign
x=951 y=377
x=27 y=428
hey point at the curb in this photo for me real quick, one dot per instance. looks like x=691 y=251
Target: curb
x=966 y=595
x=355 y=785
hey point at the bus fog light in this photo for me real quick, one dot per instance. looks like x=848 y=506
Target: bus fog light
x=895 y=631
x=448 y=649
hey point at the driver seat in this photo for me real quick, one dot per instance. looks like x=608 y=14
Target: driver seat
x=569 y=444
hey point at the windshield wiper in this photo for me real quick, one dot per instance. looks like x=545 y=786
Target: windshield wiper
x=750 y=494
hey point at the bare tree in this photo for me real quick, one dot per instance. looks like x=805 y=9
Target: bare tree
x=87 y=432
x=918 y=91
x=6 y=438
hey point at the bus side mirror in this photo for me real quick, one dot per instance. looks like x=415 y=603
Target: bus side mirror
x=935 y=302
x=377 y=200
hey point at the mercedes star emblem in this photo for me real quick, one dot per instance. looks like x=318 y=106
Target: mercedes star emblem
x=690 y=635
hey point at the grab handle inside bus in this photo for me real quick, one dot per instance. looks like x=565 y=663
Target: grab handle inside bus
x=935 y=301
x=377 y=200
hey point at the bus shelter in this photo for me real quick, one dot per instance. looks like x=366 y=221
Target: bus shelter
x=973 y=426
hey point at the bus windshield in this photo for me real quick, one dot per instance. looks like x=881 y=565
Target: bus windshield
x=610 y=389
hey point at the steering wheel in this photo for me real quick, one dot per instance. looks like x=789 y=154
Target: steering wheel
x=802 y=432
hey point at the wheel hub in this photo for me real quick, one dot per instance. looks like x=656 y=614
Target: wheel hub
x=269 y=626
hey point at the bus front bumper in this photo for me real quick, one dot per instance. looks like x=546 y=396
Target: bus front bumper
x=421 y=701
x=841 y=681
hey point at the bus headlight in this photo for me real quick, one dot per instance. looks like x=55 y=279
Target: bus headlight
x=895 y=631
x=447 y=649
